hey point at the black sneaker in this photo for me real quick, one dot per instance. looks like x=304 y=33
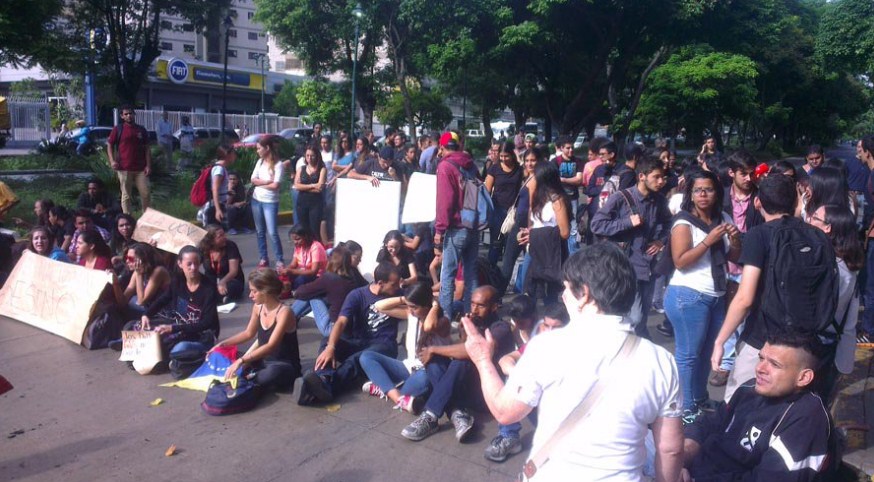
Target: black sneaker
x=666 y=329
x=317 y=387
x=502 y=447
x=421 y=428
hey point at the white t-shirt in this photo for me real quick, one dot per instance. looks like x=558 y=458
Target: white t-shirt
x=560 y=367
x=262 y=171
x=328 y=159
x=698 y=276
x=546 y=218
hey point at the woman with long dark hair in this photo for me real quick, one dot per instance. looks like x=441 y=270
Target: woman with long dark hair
x=503 y=180
x=394 y=251
x=223 y=263
x=148 y=280
x=549 y=229
x=827 y=185
x=309 y=181
x=92 y=251
x=122 y=237
x=839 y=224
x=325 y=295
x=267 y=177
x=512 y=247
x=703 y=239
x=309 y=259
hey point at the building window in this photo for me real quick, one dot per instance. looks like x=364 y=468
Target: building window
x=166 y=25
x=166 y=45
x=253 y=35
x=293 y=63
x=250 y=15
x=254 y=55
x=188 y=48
x=233 y=13
x=232 y=33
x=188 y=27
x=232 y=53
x=280 y=65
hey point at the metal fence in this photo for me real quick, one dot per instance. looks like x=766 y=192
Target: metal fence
x=251 y=123
x=31 y=121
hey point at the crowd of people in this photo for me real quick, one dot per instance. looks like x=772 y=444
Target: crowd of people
x=759 y=269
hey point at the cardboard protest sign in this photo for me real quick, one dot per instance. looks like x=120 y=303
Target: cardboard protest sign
x=51 y=295
x=143 y=348
x=170 y=233
x=364 y=214
x=420 y=206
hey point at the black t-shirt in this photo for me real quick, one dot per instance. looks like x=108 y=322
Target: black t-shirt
x=404 y=266
x=372 y=168
x=756 y=247
x=219 y=270
x=570 y=168
x=364 y=321
x=506 y=185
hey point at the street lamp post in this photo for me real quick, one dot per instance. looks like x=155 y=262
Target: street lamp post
x=228 y=23
x=262 y=58
x=357 y=12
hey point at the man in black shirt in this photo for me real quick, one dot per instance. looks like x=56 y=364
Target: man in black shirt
x=381 y=169
x=773 y=428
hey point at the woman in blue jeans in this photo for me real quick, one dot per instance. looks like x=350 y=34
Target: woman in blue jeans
x=266 y=177
x=386 y=373
x=702 y=241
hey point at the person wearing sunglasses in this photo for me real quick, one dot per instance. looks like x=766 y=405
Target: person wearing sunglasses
x=148 y=279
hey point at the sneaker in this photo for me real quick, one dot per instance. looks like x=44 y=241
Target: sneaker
x=463 y=422
x=689 y=416
x=409 y=403
x=666 y=329
x=115 y=345
x=863 y=338
x=421 y=427
x=502 y=447
x=317 y=387
x=263 y=263
x=719 y=378
x=373 y=390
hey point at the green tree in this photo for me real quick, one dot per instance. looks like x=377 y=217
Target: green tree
x=285 y=102
x=324 y=102
x=25 y=33
x=846 y=36
x=25 y=88
x=428 y=107
x=697 y=89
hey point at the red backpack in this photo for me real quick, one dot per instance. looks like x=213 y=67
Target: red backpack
x=201 y=190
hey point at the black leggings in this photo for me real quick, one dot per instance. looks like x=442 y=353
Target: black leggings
x=277 y=375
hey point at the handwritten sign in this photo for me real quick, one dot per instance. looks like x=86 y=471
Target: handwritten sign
x=143 y=348
x=169 y=233
x=52 y=296
x=367 y=226
x=421 y=203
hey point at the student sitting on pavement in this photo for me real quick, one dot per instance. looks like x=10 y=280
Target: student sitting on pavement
x=148 y=281
x=359 y=328
x=309 y=259
x=187 y=311
x=276 y=359
x=43 y=243
x=773 y=427
x=405 y=382
x=223 y=263
x=325 y=296
x=449 y=369
x=522 y=311
x=122 y=239
x=394 y=251
x=85 y=223
x=91 y=251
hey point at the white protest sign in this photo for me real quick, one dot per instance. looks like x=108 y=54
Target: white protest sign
x=364 y=214
x=51 y=295
x=169 y=233
x=420 y=206
x=143 y=348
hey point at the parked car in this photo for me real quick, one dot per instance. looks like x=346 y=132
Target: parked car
x=475 y=133
x=297 y=134
x=203 y=134
x=249 y=142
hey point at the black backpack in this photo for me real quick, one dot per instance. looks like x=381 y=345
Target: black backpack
x=801 y=281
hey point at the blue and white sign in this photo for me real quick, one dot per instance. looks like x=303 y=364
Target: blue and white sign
x=177 y=71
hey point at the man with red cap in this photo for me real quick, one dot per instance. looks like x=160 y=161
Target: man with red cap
x=460 y=244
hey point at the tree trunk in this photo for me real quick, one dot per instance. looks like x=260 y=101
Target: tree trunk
x=657 y=58
x=486 y=118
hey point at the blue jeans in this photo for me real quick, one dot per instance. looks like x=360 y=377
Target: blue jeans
x=265 y=215
x=520 y=274
x=347 y=353
x=295 y=212
x=183 y=346
x=387 y=373
x=868 y=314
x=697 y=319
x=447 y=379
x=572 y=244
x=320 y=314
x=459 y=245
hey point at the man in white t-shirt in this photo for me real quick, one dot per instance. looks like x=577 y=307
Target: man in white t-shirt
x=560 y=368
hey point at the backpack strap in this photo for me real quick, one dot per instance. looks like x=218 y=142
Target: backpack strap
x=630 y=201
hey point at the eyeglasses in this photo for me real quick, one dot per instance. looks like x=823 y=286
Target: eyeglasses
x=130 y=259
x=703 y=190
